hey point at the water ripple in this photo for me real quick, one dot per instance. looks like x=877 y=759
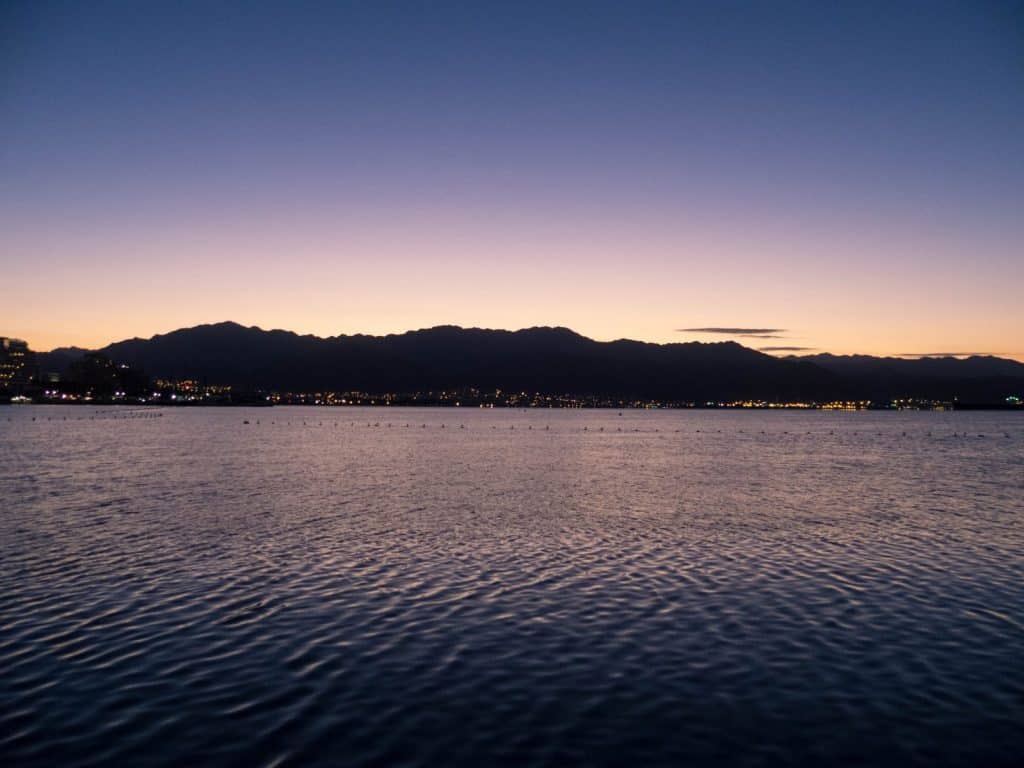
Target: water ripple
x=316 y=588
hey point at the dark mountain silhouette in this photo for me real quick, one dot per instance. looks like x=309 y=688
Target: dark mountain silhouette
x=980 y=378
x=974 y=366
x=550 y=360
x=59 y=360
x=554 y=360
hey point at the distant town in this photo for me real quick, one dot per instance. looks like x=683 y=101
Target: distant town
x=95 y=379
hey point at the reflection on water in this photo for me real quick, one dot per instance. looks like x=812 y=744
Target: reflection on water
x=548 y=587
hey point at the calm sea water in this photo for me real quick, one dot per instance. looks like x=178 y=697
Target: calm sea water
x=521 y=588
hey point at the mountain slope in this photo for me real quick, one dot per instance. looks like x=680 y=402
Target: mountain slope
x=980 y=378
x=975 y=366
x=553 y=360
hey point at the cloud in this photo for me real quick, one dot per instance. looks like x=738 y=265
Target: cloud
x=946 y=354
x=743 y=333
x=734 y=331
x=785 y=349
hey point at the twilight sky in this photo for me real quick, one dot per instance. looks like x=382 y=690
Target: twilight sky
x=847 y=177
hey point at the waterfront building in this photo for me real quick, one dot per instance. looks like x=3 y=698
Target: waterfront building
x=17 y=365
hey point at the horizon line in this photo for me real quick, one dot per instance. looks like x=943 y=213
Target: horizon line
x=1016 y=357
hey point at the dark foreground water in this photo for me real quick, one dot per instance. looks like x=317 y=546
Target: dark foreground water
x=537 y=588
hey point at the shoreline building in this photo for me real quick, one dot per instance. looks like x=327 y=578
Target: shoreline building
x=17 y=366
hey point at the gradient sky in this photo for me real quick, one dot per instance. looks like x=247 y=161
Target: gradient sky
x=849 y=174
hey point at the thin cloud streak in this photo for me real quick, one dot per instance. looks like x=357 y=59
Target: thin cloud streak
x=948 y=354
x=786 y=349
x=733 y=331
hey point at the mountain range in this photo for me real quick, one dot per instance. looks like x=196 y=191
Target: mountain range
x=544 y=359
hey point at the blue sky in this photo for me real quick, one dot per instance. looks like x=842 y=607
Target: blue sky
x=853 y=173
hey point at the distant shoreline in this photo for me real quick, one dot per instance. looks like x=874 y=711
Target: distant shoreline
x=445 y=406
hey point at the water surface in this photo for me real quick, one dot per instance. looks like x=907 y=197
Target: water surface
x=534 y=587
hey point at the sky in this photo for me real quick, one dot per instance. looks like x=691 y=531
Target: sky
x=843 y=177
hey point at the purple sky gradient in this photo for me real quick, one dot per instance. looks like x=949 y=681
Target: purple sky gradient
x=854 y=175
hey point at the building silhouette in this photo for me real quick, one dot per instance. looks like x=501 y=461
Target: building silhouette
x=17 y=366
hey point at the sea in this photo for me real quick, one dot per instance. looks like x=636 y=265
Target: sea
x=461 y=587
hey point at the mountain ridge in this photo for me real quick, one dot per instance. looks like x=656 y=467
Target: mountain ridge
x=552 y=359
